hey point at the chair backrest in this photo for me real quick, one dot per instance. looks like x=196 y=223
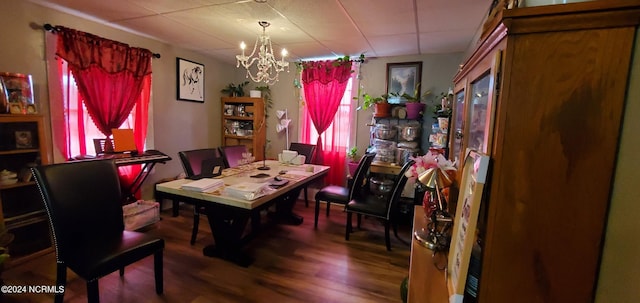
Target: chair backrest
x=83 y=201
x=103 y=146
x=193 y=160
x=307 y=150
x=361 y=174
x=233 y=154
x=398 y=187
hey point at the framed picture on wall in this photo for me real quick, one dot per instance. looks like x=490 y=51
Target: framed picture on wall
x=190 y=80
x=402 y=78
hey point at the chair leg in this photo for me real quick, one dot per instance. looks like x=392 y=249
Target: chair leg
x=359 y=220
x=387 y=239
x=93 y=295
x=196 y=223
x=315 y=222
x=61 y=280
x=122 y=271
x=349 y=227
x=157 y=268
x=328 y=205
x=306 y=200
x=395 y=230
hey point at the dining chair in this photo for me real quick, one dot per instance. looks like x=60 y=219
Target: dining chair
x=192 y=162
x=384 y=207
x=341 y=194
x=308 y=151
x=233 y=154
x=83 y=204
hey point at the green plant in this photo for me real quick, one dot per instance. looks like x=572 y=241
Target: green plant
x=435 y=106
x=265 y=91
x=352 y=153
x=416 y=97
x=235 y=90
x=369 y=100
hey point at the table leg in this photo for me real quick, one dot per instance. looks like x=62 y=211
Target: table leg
x=284 y=208
x=227 y=226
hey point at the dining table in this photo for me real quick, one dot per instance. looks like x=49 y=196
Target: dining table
x=229 y=213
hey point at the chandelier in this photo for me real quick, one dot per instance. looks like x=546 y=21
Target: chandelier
x=266 y=64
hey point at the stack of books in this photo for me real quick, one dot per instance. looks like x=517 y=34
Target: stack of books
x=203 y=185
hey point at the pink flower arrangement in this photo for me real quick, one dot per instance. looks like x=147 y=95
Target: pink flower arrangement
x=427 y=161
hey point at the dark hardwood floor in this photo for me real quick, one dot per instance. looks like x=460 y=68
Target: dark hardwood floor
x=292 y=264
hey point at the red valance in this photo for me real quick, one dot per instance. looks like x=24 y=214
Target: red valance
x=82 y=50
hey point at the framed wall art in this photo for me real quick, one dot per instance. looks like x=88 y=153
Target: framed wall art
x=402 y=78
x=18 y=90
x=190 y=80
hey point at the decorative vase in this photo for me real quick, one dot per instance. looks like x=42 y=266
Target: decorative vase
x=414 y=109
x=382 y=110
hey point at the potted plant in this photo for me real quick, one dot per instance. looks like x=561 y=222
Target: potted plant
x=382 y=108
x=352 y=154
x=234 y=90
x=441 y=105
x=414 y=104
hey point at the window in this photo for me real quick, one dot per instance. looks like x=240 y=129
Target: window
x=80 y=130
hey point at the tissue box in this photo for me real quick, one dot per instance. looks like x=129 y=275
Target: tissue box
x=140 y=214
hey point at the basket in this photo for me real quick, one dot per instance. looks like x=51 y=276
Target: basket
x=140 y=214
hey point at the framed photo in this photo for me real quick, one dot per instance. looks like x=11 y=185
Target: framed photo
x=24 y=139
x=190 y=80
x=474 y=176
x=402 y=78
x=18 y=88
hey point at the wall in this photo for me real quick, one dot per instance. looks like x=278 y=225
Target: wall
x=619 y=278
x=181 y=125
x=175 y=125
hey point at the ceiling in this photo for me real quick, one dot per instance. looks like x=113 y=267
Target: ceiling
x=306 y=28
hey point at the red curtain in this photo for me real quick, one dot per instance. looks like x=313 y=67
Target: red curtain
x=111 y=78
x=324 y=86
x=109 y=74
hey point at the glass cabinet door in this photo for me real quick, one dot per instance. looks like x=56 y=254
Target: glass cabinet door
x=458 y=124
x=478 y=109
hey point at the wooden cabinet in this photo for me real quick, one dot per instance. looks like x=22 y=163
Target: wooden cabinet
x=22 y=145
x=543 y=94
x=243 y=123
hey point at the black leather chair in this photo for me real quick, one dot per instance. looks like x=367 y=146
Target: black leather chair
x=192 y=162
x=340 y=194
x=307 y=150
x=83 y=202
x=382 y=207
x=233 y=154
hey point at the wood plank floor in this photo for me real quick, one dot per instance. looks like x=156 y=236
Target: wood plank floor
x=292 y=264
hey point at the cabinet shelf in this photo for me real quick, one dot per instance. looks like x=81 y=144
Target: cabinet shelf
x=243 y=118
x=254 y=120
x=25 y=219
x=239 y=137
x=18 y=184
x=18 y=151
x=21 y=209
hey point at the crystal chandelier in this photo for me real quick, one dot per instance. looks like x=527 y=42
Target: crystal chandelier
x=267 y=66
